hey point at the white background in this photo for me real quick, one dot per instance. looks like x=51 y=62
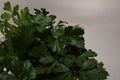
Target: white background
x=101 y=21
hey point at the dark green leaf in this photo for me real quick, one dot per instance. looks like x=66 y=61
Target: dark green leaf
x=37 y=11
x=44 y=69
x=61 y=68
x=25 y=36
x=24 y=13
x=47 y=59
x=78 y=31
x=43 y=10
x=43 y=20
x=68 y=30
x=41 y=70
x=80 y=60
x=15 y=63
x=59 y=77
x=13 y=29
x=2 y=27
x=75 y=40
x=38 y=51
x=38 y=17
x=6 y=16
x=29 y=70
x=17 y=22
x=2 y=51
x=87 y=55
x=40 y=28
x=64 y=76
x=57 y=32
x=9 y=47
x=97 y=74
x=89 y=64
x=7 y=7
x=69 y=76
x=83 y=76
x=22 y=69
x=90 y=53
x=15 y=10
x=6 y=76
x=68 y=62
x=57 y=46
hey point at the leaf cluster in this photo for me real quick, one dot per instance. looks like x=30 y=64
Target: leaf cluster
x=38 y=49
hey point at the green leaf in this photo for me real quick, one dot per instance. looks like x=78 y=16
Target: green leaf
x=17 y=22
x=44 y=69
x=87 y=55
x=47 y=59
x=9 y=47
x=6 y=76
x=90 y=53
x=24 y=13
x=78 y=30
x=75 y=40
x=69 y=76
x=24 y=69
x=43 y=20
x=41 y=70
x=43 y=10
x=68 y=30
x=97 y=74
x=28 y=70
x=38 y=17
x=15 y=10
x=83 y=76
x=80 y=42
x=13 y=64
x=59 y=77
x=61 y=68
x=64 y=76
x=61 y=24
x=40 y=28
x=2 y=51
x=80 y=60
x=89 y=64
x=68 y=62
x=6 y=16
x=25 y=36
x=57 y=46
x=74 y=30
x=2 y=27
x=7 y=6
x=13 y=29
x=38 y=51
x=57 y=32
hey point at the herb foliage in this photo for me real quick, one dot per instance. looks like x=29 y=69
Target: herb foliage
x=38 y=49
